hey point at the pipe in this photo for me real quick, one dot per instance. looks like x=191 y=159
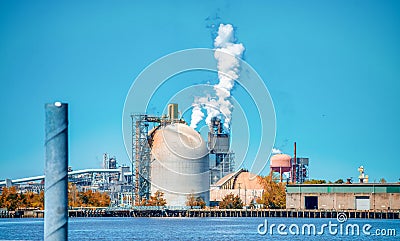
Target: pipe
x=56 y=172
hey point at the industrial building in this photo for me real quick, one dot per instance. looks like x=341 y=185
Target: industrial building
x=115 y=180
x=173 y=157
x=357 y=196
x=221 y=157
x=242 y=183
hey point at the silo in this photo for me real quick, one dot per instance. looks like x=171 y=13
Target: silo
x=180 y=164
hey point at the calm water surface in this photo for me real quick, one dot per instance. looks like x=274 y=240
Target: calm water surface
x=189 y=229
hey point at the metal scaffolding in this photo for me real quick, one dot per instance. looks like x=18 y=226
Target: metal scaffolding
x=219 y=144
x=141 y=151
x=301 y=169
x=140 y=157
x=224 y=165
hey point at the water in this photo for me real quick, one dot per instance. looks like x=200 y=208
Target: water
x=188 y=229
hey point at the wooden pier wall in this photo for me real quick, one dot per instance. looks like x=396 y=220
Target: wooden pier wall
x=265 y=213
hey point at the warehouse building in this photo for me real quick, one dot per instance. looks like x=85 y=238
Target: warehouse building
x=360 y=196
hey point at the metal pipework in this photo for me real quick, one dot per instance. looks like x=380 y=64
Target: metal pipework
x=56 y=172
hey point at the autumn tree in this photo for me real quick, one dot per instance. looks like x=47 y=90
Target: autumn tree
x=382 y=180
x=10 y=198
x=252 y=203
x=73 y=196
x=157 y=199
x=32 y=200
x=192 y=200
x=38 y=201
x=87 y=198
x=29 y=197
x=93 y=199
x=274 y=195
x=230 y=201
x=144 y=202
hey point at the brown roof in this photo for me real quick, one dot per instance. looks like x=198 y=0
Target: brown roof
x=243 y=178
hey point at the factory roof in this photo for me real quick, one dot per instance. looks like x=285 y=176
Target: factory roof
x=344 y=188
x=239 y=179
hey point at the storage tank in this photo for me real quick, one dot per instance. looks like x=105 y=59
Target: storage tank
x=280 y=163
x=180 y=164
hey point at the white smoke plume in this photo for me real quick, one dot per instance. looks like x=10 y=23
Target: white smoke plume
x=197 y=115
x=276 y=151
x=227 y=53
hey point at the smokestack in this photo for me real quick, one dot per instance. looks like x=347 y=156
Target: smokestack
x=56 y=172
x=294 y=164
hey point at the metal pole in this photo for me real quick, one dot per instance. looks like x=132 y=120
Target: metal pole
x=245 y=196
x=56 y=172
x=295 y=164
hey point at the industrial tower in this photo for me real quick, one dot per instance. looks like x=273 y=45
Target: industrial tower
x=141 y=148
x=218 y=144
x=140 y=157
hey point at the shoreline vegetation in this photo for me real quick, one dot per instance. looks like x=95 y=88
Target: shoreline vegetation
x=273 y=197
x=12 y=199
x=96 y=204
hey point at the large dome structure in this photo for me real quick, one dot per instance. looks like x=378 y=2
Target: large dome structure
x=180 y=164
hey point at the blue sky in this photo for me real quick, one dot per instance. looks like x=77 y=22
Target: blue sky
x=331 y=67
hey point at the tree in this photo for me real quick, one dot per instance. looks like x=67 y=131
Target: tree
x=144 y=202
x=274 y=195
x=87 y=198
x=73 y=196
x=10 y=199
x=252 y=203
x=314 y=181
x=195 y=201
x=39 y=201
x=339 y=181
x=32 y=200
x=93 y=199
x=230 y=201
x=157 y=199
x=382 y=180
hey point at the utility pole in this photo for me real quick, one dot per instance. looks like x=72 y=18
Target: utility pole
x=239 y=189
x=56 y=172
x=245 y=196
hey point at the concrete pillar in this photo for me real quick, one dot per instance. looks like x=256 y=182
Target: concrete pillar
x=56 y=172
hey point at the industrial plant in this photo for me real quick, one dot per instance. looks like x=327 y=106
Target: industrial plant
x=172 y=157
x=167 y=156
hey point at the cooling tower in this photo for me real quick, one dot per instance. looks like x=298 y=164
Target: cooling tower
x=180 y=164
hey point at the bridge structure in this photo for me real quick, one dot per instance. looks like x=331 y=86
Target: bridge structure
x=9 y=182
